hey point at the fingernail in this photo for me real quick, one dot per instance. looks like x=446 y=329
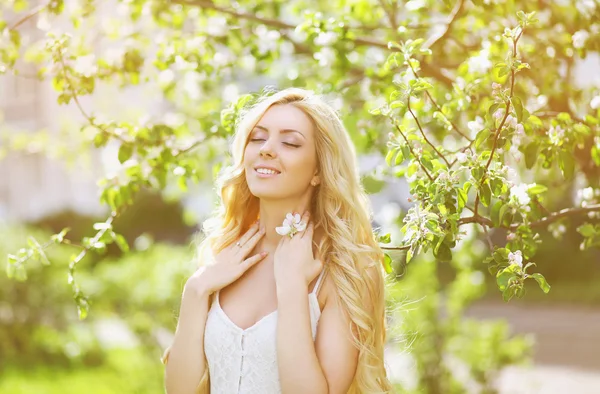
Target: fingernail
x=264 y=253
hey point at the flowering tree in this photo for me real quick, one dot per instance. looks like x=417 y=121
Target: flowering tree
x=476 y=98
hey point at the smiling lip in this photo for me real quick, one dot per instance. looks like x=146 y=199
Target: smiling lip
x=258 y=174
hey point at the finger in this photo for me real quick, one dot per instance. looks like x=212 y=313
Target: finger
x=250 y=261
x=251 y=243
x=308 y=233
x=248 y=234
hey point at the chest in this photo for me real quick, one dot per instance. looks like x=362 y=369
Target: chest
x=252 y=297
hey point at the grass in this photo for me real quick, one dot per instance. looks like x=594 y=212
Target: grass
x=126 y=372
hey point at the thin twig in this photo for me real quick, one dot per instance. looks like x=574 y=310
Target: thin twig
x=390 y=13
x=423 y=133
x=433 y=41
x=488 y=238
x=403 y=247
x=414 y=154
x=78 y=103
x=28 y=16
x=501 y=126
x=438 y=107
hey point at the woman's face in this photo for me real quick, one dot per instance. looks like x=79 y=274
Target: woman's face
x=280 y=158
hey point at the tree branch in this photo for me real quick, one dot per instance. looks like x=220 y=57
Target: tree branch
x=403 y=247
x=428 y=69
x=438 y=107
x=423 y=133
x=550 y=218
x=390 y=13
x=433 y=41
x=413 y=153
x=29 y=15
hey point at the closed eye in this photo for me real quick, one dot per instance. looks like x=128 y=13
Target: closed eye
x=285 y=143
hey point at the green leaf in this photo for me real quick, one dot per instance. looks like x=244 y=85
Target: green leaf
x=122 y=243
x=385 y=239
x=503 y=278
x=518 y=105
x=485 y=194
x=125 y=152
x=443 y=252
x=481 y=137
x=387 y=263
x=537 y=189
x=531 y=155
x=372 y=185
x=542 y=282
x=566 y=163
x=495 y=216
x=501 y=213
x=587 y=230
x=390 y=156
x=462 y=198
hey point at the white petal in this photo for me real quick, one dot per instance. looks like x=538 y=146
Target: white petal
x=289 y=217
x=297 y=218
x=282 y=230
x=301 y=226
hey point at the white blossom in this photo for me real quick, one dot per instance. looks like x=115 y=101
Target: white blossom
x=511 y=121
x=85 y=65
x=595 y=103
x=326 y=56
x=516 y=258
x=217 y=26
x=476 y=125
x=556 y=135
x=587 y=193
x=325 y=39
x=481 y=63
x=291 y=225
x=579 y=38
x=461 y=157
x=518 y=193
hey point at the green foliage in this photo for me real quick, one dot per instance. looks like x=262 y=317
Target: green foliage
x=480 y=135
x=125 y=371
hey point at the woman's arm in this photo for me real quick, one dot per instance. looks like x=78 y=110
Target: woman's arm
x=325 y=366
x=185 y=362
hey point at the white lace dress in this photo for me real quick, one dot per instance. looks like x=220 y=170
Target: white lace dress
x=245 y=361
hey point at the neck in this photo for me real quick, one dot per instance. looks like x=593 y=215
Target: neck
x=272 y=214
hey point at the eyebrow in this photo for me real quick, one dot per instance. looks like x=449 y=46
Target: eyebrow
x=283 y=131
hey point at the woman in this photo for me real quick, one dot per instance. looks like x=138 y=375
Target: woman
x=248 y=319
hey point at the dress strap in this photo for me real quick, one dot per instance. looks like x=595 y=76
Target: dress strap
x=317 y=285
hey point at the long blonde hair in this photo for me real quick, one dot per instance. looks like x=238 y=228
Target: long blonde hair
x=340 y=207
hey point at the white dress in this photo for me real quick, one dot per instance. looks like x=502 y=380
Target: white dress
x=245 y=361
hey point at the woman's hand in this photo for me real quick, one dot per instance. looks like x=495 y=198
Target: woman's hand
x=294 y=261
x=229 y=264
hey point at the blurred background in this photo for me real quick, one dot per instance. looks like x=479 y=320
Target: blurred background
x=82 y=82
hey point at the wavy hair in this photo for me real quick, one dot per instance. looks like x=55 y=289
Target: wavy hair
x=340 y=207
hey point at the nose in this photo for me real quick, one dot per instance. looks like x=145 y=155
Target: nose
x=266 y=150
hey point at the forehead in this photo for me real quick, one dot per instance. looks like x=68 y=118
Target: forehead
x=287 y=116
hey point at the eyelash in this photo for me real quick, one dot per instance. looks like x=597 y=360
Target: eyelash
x=285 y=143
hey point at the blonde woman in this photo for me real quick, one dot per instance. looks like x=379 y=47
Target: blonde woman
x=290 y=295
